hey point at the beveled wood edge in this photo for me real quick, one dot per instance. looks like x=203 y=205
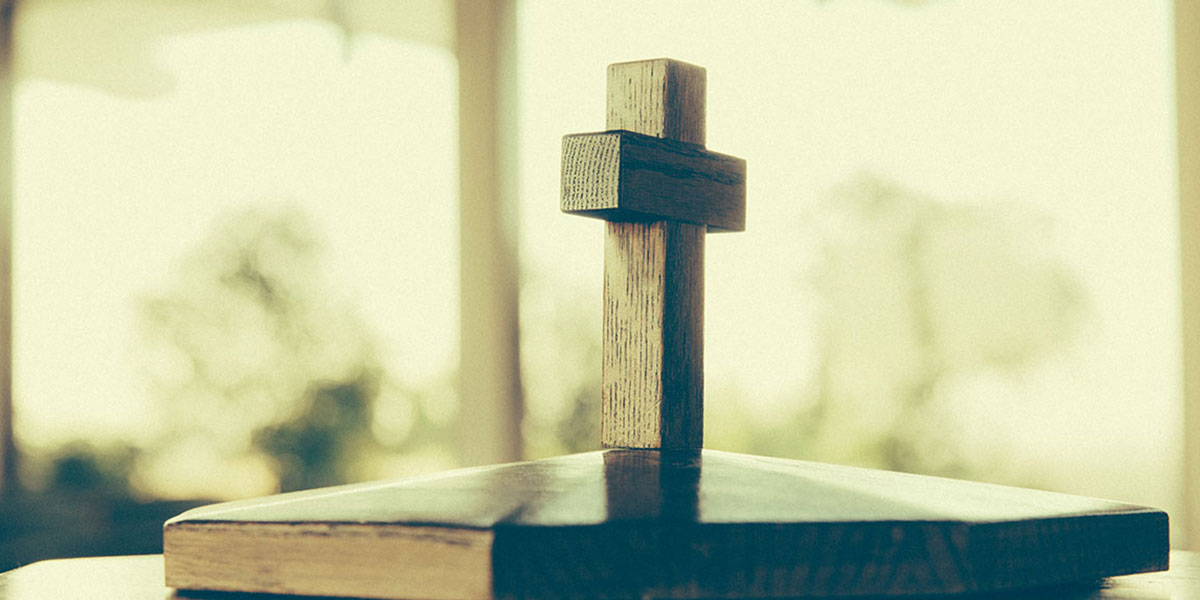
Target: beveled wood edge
x=625 y=215
x=1118 y=510
x=1126 y=540
x=365 y=560
x=1093 y=545
x=140 y=576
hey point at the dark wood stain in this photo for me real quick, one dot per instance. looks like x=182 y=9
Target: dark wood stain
x=141 y=578
x=628 y=176
x=620 y=523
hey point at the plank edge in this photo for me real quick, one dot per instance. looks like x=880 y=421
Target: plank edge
x=368 y=560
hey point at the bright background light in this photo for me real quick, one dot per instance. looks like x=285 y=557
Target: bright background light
x=1061 y=112
x=112 y=193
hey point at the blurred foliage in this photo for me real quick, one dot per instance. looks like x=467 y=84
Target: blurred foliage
x=82 y=468
x=560 y=367
x=76 y=500
x=256 y=354
x=915 y=294
x=332 y=426
x=255 y=357
x=918 y=294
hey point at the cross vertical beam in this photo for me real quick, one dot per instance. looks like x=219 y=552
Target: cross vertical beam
x=653 y=356
x=650 y=176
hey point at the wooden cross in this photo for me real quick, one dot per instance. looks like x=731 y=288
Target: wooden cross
x=660 y=190
x=650 y=522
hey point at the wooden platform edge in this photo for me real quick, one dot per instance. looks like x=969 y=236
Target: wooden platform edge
x=663 y=559
x=831 y=559
x=1071 y=548
x=355 y=559
x=141 y=578
x=648 y=528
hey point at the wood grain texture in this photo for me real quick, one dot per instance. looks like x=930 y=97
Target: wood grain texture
x=330 y=559
x=660 y=97
x=658 y=524
x=652 y=393
x=141 y=578
x=625 y=176
x=653 y=380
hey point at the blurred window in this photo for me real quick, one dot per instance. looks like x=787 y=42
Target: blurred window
x=326 y=156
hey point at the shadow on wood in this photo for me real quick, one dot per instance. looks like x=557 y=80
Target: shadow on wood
x=646 y=523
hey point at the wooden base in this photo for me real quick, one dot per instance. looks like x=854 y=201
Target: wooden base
x=141 y=578
x=654 y=524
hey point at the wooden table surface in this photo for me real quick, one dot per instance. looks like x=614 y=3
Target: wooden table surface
x=141 y=578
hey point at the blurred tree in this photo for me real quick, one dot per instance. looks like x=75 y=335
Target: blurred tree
x=256 y=354
x=79 y=467
x=916 y=293
x=76 y=501
x=560 y=361
x=332 y=427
